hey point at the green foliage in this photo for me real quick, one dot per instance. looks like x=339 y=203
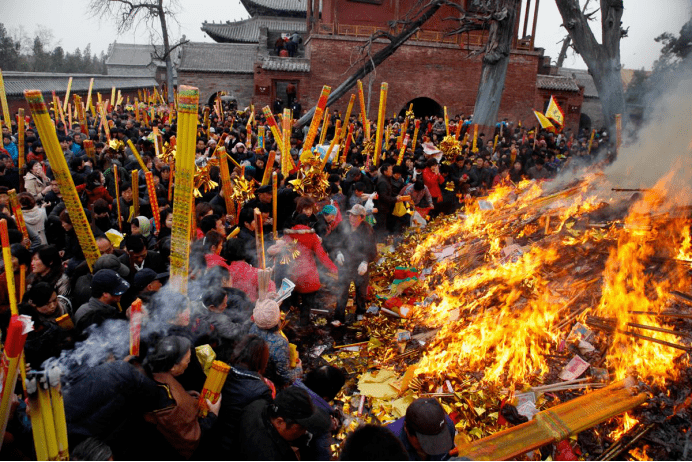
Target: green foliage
x=40 y=57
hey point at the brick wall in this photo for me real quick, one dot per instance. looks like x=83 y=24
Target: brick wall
x=239 y=86
x=265 y=90
x=440 y=72
x=570 y=102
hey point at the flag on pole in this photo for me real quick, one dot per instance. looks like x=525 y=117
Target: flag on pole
x=545 y=123
x=554 y=112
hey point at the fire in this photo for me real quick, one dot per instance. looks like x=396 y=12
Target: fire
x=501 y=306
x=626 y=423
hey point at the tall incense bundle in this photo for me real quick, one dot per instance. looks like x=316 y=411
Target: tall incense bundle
x=117 y=197
x=275 y=178
x=62 y=175
x=135 y=326
x=335 y=141
x=7 y=117
x=20 y=137
x=58 y=407
x=416 y=129
x=593 y=135
x=347 y=143
x=188 y=102
x=104 y=120
x=14 y=345
x=89 y=103
x=404 y=127
x=18 y=215
x=557 y=423
x=316 y=119
x=363 y=111
x=89 y=149
x=37 y=428
x=268 y=167
x=404 y=143
x=66 y=103
x=7 y=260
x=287 y=121
x=380 y=122
x=259 y=239
x=205 y=118
x=264 y=276
x=274 y=127
x=458 y=129
x=48 y=419
x=618 y=131
x=446 y=120
x=157 y=143
x=497 y=137
x=474 y=146
x=153 y=202
x=112 y=100
x=135 y=152
x=213 y=385
x=325 y=123
x=347 y=117
x=226 y=186
x=135 y=191
x=260 y=136
x=171 y=165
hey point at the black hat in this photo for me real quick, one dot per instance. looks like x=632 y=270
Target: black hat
x=109 y=281
x=294 y=404
x=427 y=418
x=146 y=276
x=264 y=189
x=110 y=261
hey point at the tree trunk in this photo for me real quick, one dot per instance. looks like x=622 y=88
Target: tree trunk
x=603 y=60
x=167 y=52
x=377 y=59
x=495 y=63
x=563 y=51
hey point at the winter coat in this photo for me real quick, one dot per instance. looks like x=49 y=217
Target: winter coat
x=303 y=269
x=94 y=312
x=177 y=422
x=433 y=182
x=259 y=440
x=213 y=259
x=99 y=192
x=386 y=196
x=242 y=387
x=34 y=185
x=357 y=245
x=279 y=369
x=35 y=220
x=245 y=278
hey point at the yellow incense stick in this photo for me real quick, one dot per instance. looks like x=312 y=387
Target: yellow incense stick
x=363 y=111
x=37 y=427
x=268 y=167
x=188 y=102
x=58 y=408
x=67 y=95
x=347 y=118
x=134 y=150
x=20 y=138
x=323 y=133
x=62 y=175
x=48 y=419
x=286 y=151
x=380 y=121
x=274 y=204
x=135 y=191
x=5 y=107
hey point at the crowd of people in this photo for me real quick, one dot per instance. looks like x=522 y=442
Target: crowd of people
x=271 y=407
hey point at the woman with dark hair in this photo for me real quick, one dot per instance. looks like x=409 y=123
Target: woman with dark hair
x=46 y=266
x=95 y=188
x=176 y=416
x=244 y=385
x=420 y=196
x=305 y=205
x=202 y=210
x=36 y=182
x=212 y=244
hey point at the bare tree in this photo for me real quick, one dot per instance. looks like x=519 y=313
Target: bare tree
x=148 y=12
x=602 y=59
x=567 y=41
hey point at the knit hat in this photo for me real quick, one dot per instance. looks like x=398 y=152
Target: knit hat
x=329 y=210
x=266 y=314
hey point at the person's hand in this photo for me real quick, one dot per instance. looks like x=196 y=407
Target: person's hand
x=340 y=259
x=26 y=242
x=362 y=268
x=193 y=393
x=374 y=210
x=214 y=407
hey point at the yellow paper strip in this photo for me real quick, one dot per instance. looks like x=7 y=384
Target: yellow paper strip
x=67 y=96
x=5 y=107
x=380 y=122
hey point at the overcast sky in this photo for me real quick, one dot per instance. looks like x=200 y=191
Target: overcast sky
x=72 y=27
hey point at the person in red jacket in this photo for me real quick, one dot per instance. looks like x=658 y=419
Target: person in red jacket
x=433 y=179
x=95 y=189
x=303 y=269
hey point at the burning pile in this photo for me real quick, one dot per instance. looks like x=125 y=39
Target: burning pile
x=531 y=287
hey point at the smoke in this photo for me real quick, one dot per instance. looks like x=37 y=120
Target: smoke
x=664 y=141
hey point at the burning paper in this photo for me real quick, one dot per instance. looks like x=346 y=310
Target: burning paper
x=574 y=369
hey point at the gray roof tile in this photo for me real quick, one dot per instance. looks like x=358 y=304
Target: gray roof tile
x=17 y=82
x=556 y=83
x=248 y=30
x=275 y=63
x=127 y=54
x=584 y=79
x=218 y=57
x=295 y=6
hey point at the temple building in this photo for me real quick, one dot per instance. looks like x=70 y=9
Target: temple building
x=430 y=70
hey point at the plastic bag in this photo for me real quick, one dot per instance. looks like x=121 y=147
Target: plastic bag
x=417 y=220
x=399 y=209
x=369 y=205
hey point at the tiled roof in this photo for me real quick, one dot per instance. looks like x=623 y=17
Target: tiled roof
x=125 y=54
x=291 y=6
x=556 y=83
x=275 y=63
x=248 y=30
x=583 y=78
x=218 y=57
x=17 y=82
